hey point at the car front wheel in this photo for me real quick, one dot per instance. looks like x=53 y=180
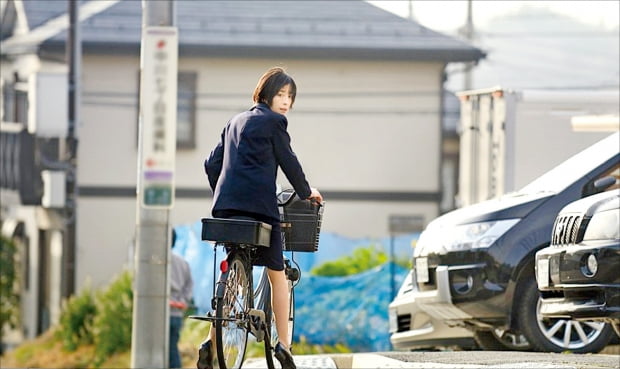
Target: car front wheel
x=558 y=335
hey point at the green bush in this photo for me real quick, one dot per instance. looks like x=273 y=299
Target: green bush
x=76 y=321
x=112 y=324
x=361 y=260
x=9 y=296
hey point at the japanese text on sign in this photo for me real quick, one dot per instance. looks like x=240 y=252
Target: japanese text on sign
x=158 y=115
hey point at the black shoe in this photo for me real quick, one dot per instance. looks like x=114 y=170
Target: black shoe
x=284 y=357
x=205 y=356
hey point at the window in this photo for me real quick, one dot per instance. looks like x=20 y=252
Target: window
x=14 y=102
x=21 y=105
x=7 y=101
x=186 y=109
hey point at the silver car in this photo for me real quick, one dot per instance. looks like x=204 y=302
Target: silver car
x=411 y=328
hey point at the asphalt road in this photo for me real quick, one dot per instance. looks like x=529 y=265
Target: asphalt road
x=508 y=359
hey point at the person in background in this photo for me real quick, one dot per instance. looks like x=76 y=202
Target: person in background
x=181 y=285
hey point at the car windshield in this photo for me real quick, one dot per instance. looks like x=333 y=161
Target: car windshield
x=575 y=167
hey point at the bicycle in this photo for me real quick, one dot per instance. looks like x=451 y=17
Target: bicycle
x=238 y=309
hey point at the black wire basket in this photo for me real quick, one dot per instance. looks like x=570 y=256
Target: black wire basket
x=301 y=225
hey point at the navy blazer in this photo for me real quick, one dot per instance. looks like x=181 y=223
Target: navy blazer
x=242 y=168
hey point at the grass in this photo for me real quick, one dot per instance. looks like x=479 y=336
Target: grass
x=46 y=351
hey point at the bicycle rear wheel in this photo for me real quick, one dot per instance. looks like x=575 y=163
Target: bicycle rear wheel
x=232 y=324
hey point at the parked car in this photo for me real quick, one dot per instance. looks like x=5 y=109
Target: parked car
x=425 y=331
x=474 y=267
x=578 y=274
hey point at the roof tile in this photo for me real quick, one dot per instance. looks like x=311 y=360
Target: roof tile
x=307 y=27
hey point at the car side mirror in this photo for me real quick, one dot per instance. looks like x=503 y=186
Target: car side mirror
x=602 y=183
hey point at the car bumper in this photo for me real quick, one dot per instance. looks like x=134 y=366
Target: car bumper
x=570 y=290
x=461 y=293
x=438 y=302
x=412 y=327
x=576 y=307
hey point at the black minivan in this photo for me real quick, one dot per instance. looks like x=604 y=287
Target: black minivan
x=474 y=266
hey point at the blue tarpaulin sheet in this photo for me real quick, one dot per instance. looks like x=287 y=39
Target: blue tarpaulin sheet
x=350 y=310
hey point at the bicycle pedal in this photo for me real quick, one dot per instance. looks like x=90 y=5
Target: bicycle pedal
x=259 y=334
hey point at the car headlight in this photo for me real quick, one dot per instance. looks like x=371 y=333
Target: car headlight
x=474 y=235
x=603 y=226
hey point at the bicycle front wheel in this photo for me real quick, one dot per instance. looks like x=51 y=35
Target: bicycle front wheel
x=231 y=325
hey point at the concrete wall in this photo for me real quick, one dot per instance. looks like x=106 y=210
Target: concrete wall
x=544 y=136
x=509 y=138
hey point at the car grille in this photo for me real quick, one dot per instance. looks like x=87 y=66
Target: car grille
x=567 y=230
x=404 y=322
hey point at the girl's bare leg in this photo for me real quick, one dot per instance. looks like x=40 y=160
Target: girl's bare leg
x=280 y=304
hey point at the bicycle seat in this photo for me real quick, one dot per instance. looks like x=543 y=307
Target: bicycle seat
x=236 y=231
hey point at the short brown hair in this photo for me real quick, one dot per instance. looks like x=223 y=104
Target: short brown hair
x=270 y=83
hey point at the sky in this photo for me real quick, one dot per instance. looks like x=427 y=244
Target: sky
x=447 y=16
x=529 y=51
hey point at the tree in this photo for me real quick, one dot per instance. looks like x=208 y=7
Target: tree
x=9 y=295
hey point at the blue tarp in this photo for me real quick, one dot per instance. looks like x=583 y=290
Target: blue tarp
x=351 y=310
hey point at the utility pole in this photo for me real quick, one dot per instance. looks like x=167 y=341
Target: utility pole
x=410 y=15
x=73 y=54
x=155 y=187
x=468 y=32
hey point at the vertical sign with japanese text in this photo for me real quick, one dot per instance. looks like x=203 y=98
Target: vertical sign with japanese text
x=158 y=107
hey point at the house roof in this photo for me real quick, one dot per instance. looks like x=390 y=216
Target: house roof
x=294 y=28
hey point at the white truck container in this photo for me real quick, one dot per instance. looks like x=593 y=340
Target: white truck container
x=508 y=138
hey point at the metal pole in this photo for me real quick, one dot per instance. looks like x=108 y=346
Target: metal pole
x=410 y=15
x=392 y=272
x=468 y=32
x=150 y=329
x=74 y=53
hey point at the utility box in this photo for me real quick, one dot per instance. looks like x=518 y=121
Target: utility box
x=509 y=138
x=54 y=189
x=48 y=99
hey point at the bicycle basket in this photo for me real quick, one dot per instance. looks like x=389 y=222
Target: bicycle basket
x=301 y=225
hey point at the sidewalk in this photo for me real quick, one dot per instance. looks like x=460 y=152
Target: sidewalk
x=302 y=362
x=374 y=361
x=453 y=360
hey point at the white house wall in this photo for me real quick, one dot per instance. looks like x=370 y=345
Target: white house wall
x=356 y=126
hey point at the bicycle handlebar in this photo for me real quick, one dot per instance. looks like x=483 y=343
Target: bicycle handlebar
x=286 y=196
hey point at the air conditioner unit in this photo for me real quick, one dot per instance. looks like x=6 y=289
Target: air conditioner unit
x=54 y=189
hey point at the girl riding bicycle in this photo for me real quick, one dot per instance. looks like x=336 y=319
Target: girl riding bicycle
x=242 y=173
